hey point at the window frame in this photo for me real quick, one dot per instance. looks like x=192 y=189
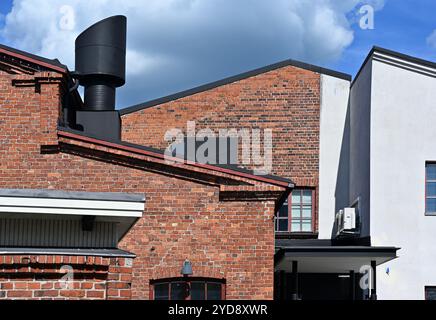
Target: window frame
x=188 y=280
x=426 y=196
x=289 y=216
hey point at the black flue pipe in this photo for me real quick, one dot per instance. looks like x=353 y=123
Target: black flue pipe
x=101 y=62
x=99 y=95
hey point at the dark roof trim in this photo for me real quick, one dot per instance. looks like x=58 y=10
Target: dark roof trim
x=406 y=57
x=343 y=249
x=235 y=78
x=335 y=251
x=295 y=242
x=67 y=252
x=53 y=64
x=395 y=54
x=77 y=195
x=142 y=150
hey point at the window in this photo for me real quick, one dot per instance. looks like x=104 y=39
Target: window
x=295 y=215
x=282 y=218
x=430 y=293
x=430 y=188
x=188 y=289
x=301 y=212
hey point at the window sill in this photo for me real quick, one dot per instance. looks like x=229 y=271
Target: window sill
x=296 y=235
x=430 y=213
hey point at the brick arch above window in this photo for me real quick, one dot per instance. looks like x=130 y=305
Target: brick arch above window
x=198 y=271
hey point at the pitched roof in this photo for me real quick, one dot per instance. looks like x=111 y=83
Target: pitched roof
x=52 y=64
x=159 y=154
x=235 y=78
x=395 y=54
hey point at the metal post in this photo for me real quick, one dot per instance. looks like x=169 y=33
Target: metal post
x=374 y=280
x=295 y=280
x=282 y=285
x=352 y=285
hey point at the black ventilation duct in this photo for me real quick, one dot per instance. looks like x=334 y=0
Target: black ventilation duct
x=101 y=68
x=101 y=62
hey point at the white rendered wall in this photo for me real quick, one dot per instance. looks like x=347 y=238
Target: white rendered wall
x=334 y=103
x=403 y=137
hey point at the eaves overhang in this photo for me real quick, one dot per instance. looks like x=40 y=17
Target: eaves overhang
x=121 y=209
x=52 y=64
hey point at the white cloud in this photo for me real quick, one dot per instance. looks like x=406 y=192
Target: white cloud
x=431 y=39
x=176 y=44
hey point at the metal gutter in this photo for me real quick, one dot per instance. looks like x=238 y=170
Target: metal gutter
x=67 y=252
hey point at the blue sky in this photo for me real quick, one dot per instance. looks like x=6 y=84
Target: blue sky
x=174 y=45
x=402 y=25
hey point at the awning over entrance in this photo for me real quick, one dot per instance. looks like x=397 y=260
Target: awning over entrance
x=315 y=269
x=44 y=218
x=331 y=259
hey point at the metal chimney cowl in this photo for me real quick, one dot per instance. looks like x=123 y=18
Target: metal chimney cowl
x=101 y=67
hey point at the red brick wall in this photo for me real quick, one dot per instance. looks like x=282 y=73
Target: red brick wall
x=44 y=277
x=286 y=100
x=182 y=219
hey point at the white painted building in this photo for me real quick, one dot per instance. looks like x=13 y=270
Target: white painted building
x=378 y=142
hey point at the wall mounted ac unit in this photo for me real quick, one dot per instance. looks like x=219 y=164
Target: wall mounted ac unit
x=346 y=221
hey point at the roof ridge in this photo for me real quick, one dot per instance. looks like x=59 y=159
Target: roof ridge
x=231 y=79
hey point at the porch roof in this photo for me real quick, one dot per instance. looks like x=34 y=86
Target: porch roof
x=323 y=256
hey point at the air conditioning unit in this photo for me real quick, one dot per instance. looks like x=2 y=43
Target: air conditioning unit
x=346 y=221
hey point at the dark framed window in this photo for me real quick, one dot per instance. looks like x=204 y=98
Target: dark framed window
x=430 y=188
x=430 y=293
x=296 y=213
x=282 y=218
x=184 y=288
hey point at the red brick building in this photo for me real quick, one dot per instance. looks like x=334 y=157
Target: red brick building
x=284 y=97
x=220 y=219
x=91 y=206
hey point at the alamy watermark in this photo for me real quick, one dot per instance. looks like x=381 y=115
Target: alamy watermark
x=67 y=280
x=67 y=20
x=244 y=147
x=366 y=21
x=364 y=282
